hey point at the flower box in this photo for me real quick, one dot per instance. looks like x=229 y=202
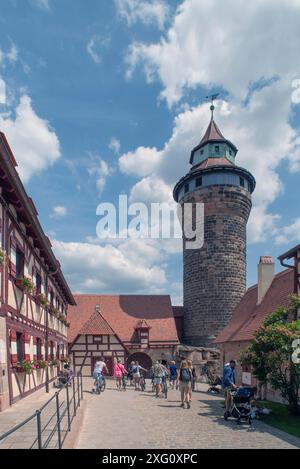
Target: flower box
x=41 y=299
x=25 y=284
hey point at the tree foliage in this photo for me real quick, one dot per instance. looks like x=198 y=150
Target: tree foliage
x=270 y=354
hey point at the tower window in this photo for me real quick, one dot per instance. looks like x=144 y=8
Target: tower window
x=242 y=182
x=217 y=149
x=230 y=152
x=186 y=188
x=201 y=152
x=198 y=182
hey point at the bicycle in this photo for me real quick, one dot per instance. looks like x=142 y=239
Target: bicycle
x=124 y=383
x=143 y=384
x=165 y=388
x=101 y=384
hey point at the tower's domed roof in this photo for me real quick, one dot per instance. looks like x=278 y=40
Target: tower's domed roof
x=213 y=133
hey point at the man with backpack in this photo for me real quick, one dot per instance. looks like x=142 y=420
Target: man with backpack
x=185 y=379
x=159 y=372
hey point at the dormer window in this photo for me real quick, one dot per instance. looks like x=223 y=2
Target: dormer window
x=142 y=328
x=186 y=188
x=242 y=182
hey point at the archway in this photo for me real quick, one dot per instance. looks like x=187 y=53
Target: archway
x=143 y=359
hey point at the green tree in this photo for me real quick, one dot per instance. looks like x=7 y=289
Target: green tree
x=271 y=353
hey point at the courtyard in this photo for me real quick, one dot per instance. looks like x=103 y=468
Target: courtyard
x=134 y=419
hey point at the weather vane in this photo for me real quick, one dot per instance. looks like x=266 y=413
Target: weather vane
x=212 y=98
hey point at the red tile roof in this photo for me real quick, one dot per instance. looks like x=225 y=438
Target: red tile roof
x=96 y=325
x=122 y=313
x=248 y=316
x=213 y=162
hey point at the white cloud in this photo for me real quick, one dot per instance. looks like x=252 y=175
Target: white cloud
x=228 y=44
x=59 y=212
x=2 y=91
x=151 y=189
x=146 y=11
x=289 y=234
x=33 y=142
x=9 y=56
x=42 y=4
x=95 y=48
x=130 y=267
x=99 y=168
x=114 y=145
x=263 y=135
x=141 y=161
x=296 y=92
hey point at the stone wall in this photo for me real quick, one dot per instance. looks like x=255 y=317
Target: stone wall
x=202 y=358
x=215 y=275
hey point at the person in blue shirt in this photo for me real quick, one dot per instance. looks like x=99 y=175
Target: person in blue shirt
x=228 y=384
x=172 y=373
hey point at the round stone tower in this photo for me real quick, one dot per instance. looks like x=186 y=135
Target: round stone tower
x=215 y=275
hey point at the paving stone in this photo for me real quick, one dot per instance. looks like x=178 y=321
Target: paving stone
x=132 y=420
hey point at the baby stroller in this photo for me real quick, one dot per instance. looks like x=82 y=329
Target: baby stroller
x=241 y=408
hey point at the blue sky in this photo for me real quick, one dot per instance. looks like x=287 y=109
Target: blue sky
x=106 y=97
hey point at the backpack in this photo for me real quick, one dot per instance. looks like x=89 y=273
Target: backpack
x=185 y=375
x=158 y=371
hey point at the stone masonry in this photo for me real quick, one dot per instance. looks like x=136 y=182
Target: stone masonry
x=215 y=275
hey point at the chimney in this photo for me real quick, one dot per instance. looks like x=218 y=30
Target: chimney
x=266 y=272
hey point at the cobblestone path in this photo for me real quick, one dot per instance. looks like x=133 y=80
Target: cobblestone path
x=132 y=419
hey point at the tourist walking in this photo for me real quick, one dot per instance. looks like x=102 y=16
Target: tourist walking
x=172 y=374
x=228 y=385
x=159 y=371
x=184 y=379
x=119 y=373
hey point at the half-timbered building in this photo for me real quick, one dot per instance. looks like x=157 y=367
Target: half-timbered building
x=34 y=294
x=129 y=327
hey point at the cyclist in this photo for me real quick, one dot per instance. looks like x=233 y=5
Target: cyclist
x=100 y=366
x=136 y=373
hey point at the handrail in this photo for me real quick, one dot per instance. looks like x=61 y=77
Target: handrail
x=65 y=408
x=17 y=427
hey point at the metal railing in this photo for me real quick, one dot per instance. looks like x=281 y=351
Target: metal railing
x=49 y=426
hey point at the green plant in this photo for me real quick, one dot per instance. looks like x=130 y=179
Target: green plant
x=42 y=299
x=42 y=364
x=271 y=353
x=27 y=366
x=2 y=256
x=27 y=284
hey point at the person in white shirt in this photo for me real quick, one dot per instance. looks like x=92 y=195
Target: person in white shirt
x=98 y=369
